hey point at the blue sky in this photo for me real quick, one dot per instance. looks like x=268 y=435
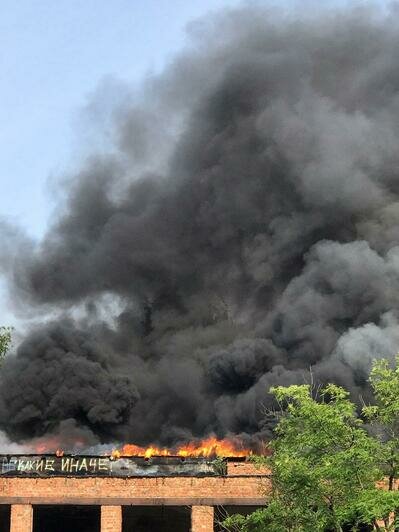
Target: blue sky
x=54 y=54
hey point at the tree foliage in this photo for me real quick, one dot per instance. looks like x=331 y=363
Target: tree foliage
x=329 y=471
x=384 y=415
x=5 y=341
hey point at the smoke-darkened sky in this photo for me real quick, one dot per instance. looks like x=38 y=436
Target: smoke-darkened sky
x=241 y=227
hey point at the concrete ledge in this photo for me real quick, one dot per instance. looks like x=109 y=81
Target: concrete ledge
x=138 y=501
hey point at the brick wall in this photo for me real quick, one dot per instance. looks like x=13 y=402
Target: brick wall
x=202 y=518
x=111 y=519
x=242 y=486
x=246 y=469
x=21 y=518
x=117 y=491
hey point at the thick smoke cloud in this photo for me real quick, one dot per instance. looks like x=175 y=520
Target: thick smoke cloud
x=245 y=224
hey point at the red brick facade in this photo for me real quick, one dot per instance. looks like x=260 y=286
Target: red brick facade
x=21 y=518
x=111 y=519
x=242 y=486
x=245 y=469
x=202 y=518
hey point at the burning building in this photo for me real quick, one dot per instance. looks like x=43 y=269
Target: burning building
x=40 y=493
x=242 y=227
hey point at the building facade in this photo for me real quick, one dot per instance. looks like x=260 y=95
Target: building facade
x=96 y=494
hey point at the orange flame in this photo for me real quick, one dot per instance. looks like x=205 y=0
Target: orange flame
x=205 y=448
x=208 y=447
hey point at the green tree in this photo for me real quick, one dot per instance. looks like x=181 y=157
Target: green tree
x=384 y=416
x=5 y=341
x=324 y=465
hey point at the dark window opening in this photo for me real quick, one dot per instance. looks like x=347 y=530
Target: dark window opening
x=156 y=519
x=66 y=518
x=5 y=511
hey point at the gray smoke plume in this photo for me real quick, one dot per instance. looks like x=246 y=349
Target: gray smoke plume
x=244 y=225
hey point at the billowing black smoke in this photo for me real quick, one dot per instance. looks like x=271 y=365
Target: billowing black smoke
x=243 y=227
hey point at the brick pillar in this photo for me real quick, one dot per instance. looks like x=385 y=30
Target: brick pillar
x=202 y=518
x=21 y=518
x=111 y=518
